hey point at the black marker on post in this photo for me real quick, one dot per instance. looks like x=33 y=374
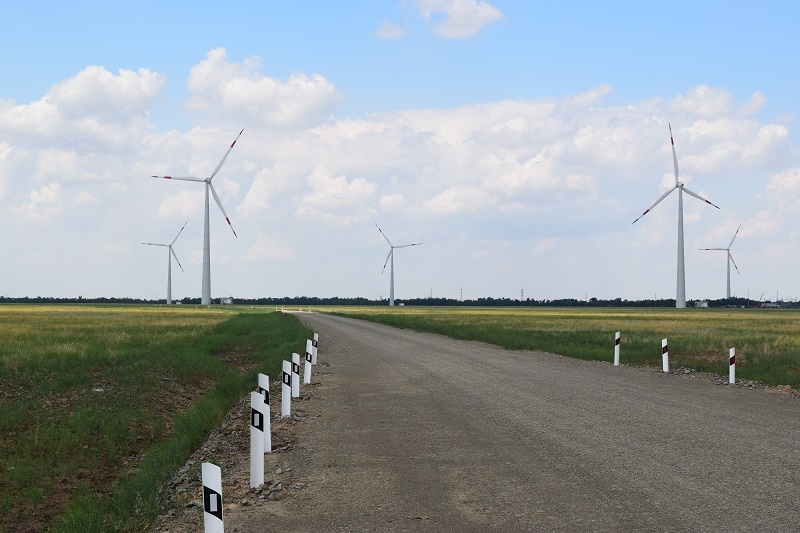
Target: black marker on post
x=212 y=498
x=263 y=388
x=256 y=439
x=286 y=389
x=309 y=357
x=295 y=375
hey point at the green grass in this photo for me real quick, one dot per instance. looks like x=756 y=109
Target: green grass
x=99 y=405
x=767 y=342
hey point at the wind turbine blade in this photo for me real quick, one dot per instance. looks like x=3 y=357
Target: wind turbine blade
x=387 y=260
x=211 y=177
x=720 y=249
x=181 y=178
x=179 y=234
x=655 y=204
x=216 y=199
x=690 y=193
x=176 y=258
x=734 y=236
x=384 y=235
x=407 y=245
x=674 y=156
x=734 y=263
x=154 y=244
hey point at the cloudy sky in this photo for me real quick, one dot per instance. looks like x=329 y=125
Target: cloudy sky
x=516 y=140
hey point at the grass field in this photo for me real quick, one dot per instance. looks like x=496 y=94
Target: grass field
x=100 y=404
x=767 y=342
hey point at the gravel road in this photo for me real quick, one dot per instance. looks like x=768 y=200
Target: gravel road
x=416 y=432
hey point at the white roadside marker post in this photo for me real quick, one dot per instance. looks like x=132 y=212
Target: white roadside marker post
x=286 y=389
x=256 y=439
x=732 y=367
x=664 y=356
x=309 y=357
x=314 y=353
x=263 y=388
x=616 y=348
x=212 y=498
x=295 y=375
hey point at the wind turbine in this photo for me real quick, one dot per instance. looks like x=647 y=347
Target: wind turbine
x=391 y=268
x=680 y=298
x=205 y=298
x=170 y=255
x=730 y=259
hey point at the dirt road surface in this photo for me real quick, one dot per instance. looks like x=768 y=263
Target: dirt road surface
x=406 y=431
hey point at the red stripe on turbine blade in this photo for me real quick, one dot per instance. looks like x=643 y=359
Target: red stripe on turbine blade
x=231 y=226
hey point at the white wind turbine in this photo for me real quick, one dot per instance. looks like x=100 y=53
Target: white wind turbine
x=391 y=257
x=170 y=255
x=205 y=298
x=680 y=298
x=730 y=259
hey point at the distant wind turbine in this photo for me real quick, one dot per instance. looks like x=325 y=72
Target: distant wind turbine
x=730 y=259
x=205 y=298
x=680 y=298
x=170 y=255
x=391 y=257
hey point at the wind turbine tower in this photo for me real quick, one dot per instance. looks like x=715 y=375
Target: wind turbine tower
x=730 y=259
x=680 y=297
x=170 y=255
x=205 y=298
x=389 y=258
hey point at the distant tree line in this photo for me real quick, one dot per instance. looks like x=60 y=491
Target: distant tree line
x=449 y=302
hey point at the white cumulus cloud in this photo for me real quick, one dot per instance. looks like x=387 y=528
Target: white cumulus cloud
x=268 y=247
x=387 y=30
x=220 y=87
x=462 y=18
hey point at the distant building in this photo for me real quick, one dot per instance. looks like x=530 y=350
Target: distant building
x=226 y=300
x=699 y=303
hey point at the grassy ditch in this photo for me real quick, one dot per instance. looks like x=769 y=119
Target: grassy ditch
x=767 y=342
x=99 y=405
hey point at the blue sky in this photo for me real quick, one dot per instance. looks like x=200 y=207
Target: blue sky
x=516 y=140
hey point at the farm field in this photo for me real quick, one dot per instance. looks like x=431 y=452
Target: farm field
x=767 y=342
x=100 y=404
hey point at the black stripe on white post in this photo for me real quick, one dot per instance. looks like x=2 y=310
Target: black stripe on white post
x=263 y=388
x=616 y=348
x=256 y=439
x=309 y=357
x=315 y=344
x=732 y=367
x=664 y=356
x=295 y=375
x=212 y=498
x=286 y=389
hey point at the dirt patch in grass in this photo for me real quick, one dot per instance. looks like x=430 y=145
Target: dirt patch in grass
x=98 y=474
x=238 y=357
